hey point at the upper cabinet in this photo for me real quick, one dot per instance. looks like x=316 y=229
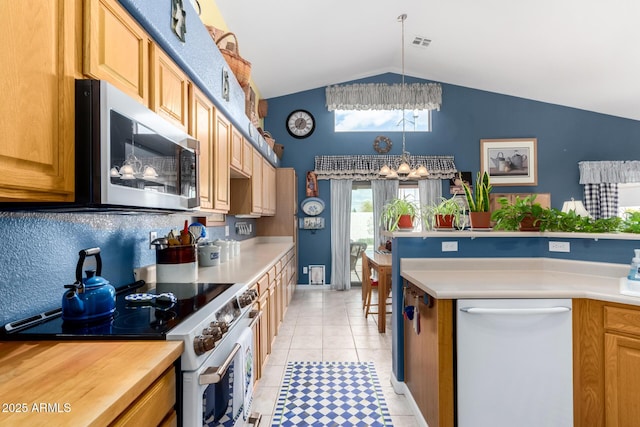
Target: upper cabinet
x=37 y=86
x=202 y=128
x=169 y=89
x=221 y=174
x=116 y=48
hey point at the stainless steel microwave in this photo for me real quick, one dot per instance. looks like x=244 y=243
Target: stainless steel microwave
x=129 y=157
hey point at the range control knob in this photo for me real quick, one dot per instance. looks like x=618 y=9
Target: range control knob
x=224 y=326
x=203 y=343
x=247 y=297
x=214 y=331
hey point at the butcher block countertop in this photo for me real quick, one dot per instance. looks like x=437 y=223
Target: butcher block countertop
x=77 y=383
x=449 y=278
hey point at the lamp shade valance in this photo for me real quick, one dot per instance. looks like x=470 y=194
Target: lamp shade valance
x=382 y=96
x=366 y=167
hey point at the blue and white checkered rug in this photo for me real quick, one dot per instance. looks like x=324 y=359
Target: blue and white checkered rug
x=331 y=394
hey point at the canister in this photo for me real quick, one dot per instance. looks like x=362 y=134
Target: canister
x=176 y=264
x=208 y=254
x=224 y=249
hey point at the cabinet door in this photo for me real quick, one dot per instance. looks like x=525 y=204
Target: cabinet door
x=116 y=48
x=221 y=164
x=428 y=361
x=268 y=188
x=256 y=183
x=201 y=127
x=247 y=158
x=37 y=107
x=622 y=381
x=170 y=89
x=237 y=142
x=265 y=344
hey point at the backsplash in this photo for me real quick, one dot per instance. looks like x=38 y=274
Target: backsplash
x=39 y=252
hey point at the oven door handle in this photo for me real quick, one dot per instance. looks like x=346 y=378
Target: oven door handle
x=214 y=374
x=254 y=315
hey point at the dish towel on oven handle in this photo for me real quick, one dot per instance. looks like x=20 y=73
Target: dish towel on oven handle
x=245 y=371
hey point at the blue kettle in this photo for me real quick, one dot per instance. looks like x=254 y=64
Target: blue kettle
x=90 y=298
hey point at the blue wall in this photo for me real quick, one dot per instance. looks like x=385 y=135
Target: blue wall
x=565 y=137
x=39 y=252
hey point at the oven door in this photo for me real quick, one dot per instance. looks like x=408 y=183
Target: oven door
x=219 y=393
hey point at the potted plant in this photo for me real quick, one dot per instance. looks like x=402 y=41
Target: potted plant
x=524 y=215
x=446 y=214
x=478 y=201
x=399 y=214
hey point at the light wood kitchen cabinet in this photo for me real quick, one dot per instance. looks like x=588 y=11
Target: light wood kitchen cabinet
x=428 y=360
x=606 y=359
x=37 y=86
x=154 y=406
x=169 y=89
x=247 y=157
x=268 y=188
x=256 y=183
x=202 y=118
x=116 y=48
x=236 y=154
x=264 y=348
x=284 y=220
x=221 y=177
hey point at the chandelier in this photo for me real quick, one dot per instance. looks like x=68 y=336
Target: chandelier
x=404 y=170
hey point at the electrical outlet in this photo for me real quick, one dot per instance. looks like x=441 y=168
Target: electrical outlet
x=305 y=270
x=153 y=235
x=226 y=231
x=449 y=246
x=559 y=247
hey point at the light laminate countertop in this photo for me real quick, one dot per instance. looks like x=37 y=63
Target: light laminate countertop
x=517 y=278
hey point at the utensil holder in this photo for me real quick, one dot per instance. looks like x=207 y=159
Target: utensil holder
x=177 y=264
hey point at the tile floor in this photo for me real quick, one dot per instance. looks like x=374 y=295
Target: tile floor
x=325 y=325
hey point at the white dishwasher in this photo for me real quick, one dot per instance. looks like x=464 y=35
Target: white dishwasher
x=514 y=363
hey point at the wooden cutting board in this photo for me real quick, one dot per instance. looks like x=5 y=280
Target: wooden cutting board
x=77 y=383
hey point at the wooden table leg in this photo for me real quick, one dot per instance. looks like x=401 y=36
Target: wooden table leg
x=383 y=287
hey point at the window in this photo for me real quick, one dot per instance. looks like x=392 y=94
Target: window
x=628 y=198
x=382 y=121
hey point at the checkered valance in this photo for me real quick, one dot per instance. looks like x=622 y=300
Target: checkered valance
x=366 y=167
x=609 y=172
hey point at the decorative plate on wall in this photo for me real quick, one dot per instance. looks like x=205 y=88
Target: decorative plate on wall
x=312 y=206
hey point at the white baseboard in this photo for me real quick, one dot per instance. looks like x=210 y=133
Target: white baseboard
x=401 y=388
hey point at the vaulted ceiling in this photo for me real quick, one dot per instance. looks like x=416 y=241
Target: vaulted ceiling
x=577 y=53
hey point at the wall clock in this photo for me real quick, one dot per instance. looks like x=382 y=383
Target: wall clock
x=300 y=124
x=312 y=206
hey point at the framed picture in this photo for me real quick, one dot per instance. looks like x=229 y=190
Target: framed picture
x=316 y=274
x=510 y=161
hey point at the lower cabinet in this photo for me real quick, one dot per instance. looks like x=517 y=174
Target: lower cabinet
x=275 y=291
x=155 y=406
x=428 y=360
x=606 y=364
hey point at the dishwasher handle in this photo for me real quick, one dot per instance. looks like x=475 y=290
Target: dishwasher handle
x=517 y=311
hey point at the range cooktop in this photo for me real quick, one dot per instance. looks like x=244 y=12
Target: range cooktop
x=131 y=320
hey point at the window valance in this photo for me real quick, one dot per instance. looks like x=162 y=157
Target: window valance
x=382 y=96
x=609 y=172
x=366 y=167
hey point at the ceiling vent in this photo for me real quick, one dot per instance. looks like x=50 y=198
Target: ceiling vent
x=419 y=41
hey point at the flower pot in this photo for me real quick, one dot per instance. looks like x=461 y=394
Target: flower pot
x=480 y=219
x=405 y=222
x=527 y=224
x=444 y=221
